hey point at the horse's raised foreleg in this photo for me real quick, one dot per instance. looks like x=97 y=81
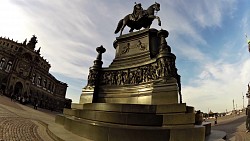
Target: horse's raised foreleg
x=155 y=17
x=159 y=20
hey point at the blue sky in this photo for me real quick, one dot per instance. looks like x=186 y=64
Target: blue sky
x=208 y=38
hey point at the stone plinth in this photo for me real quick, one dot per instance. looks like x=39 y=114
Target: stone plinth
x=87 y=95
x=143 y=72
x=107 y=122
x=136 y=97
x=135 y=48
x=158 y=93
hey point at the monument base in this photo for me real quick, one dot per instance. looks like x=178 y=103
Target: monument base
x=133 y=122
x=145 y=93
x=136 y=97
x=87 y=95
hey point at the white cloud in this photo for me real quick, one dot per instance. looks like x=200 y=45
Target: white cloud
x=219 y=83
x=208 y=13
x=179 y=24
x=69 y=32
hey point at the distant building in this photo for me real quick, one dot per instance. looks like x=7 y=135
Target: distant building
x=25 y=74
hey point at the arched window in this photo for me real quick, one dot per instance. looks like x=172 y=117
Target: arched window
x=44 y=83
x=39 y=81
x=49 y=86
x=2 y=63
x=9 y=65
x=33 y=78
x=53 y=88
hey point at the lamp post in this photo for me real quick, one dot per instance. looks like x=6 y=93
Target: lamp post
x=247 y=96
x=233 y=105
x=243 y=102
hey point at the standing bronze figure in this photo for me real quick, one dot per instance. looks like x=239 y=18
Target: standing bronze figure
x=139 y=18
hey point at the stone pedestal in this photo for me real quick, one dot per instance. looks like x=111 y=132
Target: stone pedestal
x=133 y=122
x=87 y=95
x=136 y=97
x=135 y=48
x=143 y=72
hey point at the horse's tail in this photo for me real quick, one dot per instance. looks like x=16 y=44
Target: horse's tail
x=119 y=26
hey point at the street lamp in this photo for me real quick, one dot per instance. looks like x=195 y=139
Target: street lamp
x=243 y=102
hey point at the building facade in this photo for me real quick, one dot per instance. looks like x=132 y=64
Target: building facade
x=25 y=74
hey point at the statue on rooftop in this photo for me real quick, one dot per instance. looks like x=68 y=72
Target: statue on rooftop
x=32 y=42
x=25 y=41
x=139 y=18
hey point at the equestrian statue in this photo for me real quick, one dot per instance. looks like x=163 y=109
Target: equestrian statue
x=139 y=18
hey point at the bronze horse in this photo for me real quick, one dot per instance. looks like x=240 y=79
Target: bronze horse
x=144 y=21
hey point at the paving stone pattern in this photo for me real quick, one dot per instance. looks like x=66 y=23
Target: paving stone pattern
x=16 y=128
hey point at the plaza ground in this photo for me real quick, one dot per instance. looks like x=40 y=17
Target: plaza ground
x=23 y=123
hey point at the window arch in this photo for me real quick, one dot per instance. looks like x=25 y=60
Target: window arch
x=39 y=81
x=2 y=63
x=33 y=78
x=49 y=86
x=9 y=65
x=44 y=83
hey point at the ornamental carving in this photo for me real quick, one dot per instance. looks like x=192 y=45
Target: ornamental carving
x=24 y=68
x=125 y=49
x=93 y=74
x=141 y=45
x=164 y=67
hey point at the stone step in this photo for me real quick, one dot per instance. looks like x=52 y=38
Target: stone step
x=100 y=131
x=140 y=119
x=136 y=108
x=171 y=108
x=129 y=108
x=71 y=112
x=178 y=119
x=123 y=118
x=77 y=106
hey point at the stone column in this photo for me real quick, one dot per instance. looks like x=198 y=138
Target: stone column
x=166 y=61
x=163 y=34
x=95 y=73
x=90 y=92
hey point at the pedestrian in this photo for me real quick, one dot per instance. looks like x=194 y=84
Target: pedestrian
x=215 y=122
x=12 y=97
x=1 y=92
x=23 y=100
x=35 y=105
x=248 y=118
x=19 y=99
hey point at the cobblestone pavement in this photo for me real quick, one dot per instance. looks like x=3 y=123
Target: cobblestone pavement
x=16 y=128
x=235 y=129
x=23 y=123
x=240 y=134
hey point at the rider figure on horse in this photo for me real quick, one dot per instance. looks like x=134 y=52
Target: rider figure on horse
x=137 y=12
x=139 y=18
